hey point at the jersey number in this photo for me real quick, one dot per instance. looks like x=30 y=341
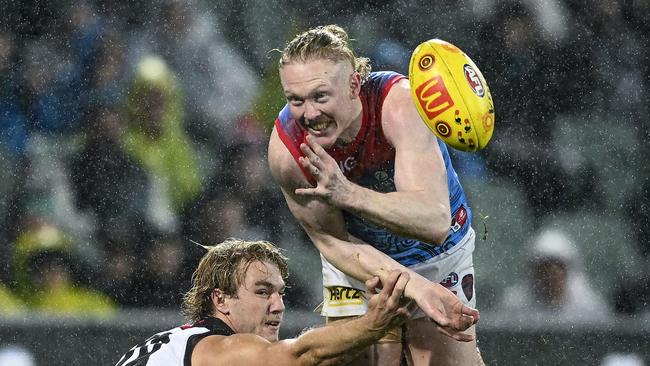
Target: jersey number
x=139 y=355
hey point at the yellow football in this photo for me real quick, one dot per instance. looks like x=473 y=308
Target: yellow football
x=451 y=95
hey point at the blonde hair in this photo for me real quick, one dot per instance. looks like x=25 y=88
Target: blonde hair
x=328 y=42
x=224 y=267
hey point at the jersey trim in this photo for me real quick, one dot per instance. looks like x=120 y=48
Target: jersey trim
x=216 y=327
x=295 y=151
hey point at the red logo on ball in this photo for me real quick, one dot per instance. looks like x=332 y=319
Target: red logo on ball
x=434 y=97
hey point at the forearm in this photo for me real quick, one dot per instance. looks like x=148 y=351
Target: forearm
x=361 y=261
x=337 y=343
x=413 y=214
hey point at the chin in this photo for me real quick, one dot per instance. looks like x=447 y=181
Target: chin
x=325 y=141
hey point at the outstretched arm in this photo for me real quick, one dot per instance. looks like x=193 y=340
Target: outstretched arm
x=334 y=344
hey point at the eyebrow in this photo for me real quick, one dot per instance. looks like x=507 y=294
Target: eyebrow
x=310 y=95
x=269 y=284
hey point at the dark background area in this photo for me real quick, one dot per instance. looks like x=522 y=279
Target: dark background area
x=128 y=128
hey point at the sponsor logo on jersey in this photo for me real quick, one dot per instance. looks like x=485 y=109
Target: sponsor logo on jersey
x=341 y=296
x=459 y=219
x=434 y=97
x=384 y=181
x=474 y=81
x=348 y=164
x=451 y=280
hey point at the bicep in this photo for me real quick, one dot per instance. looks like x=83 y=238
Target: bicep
x=244 y=350
x=419 y=165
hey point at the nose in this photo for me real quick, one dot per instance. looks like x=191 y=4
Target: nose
x=277 y=304
x=311 y=112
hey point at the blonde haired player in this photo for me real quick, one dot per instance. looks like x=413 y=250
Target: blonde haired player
x=236 y=309
x=375 y=190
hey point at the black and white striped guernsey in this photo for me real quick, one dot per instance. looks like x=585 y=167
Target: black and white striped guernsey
x=173 y=347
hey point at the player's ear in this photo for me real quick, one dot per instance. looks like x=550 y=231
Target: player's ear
x=218 y=298
x=355 y=85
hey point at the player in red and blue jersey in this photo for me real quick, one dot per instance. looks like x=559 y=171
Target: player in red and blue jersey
x=375 y=190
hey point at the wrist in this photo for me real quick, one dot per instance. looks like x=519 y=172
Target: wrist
x=353 y=195
x=416 y=286
x=371 y=326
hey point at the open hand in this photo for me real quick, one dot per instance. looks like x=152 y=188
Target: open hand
x=450 y=315
x=331 y=184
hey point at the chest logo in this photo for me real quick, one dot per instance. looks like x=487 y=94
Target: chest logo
x=348 y=164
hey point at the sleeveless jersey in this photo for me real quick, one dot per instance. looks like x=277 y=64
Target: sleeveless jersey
x=174 y=347
x=370 y=162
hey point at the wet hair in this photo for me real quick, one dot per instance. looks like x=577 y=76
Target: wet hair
x=224 y=267
x=328 y=42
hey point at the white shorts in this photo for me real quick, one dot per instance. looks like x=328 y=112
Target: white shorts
x=454 y=269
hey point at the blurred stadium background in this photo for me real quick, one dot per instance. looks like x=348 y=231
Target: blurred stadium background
x=129 y=127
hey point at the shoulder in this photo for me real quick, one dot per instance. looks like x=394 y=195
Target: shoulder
x=398 y=96
x=283 y=167
x=241 y=349
x=400 y=119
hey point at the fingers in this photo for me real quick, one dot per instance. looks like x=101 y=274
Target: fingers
x=389 y=283
x=462 y=322
x=456 y=323
x=462 y=337
x=315 y=146
x=313 y=152
x=466 y=310
x=465 y=322
x=393 y=289
x=308 y=166
x=305 y=192
x=371 y=285
x=398 y=288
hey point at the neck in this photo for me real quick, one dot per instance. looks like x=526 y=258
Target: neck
x=224 y=318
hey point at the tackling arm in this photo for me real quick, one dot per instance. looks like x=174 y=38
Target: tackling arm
x=335 y=344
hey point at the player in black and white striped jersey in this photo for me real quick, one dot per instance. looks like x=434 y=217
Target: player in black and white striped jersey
x=235 y=307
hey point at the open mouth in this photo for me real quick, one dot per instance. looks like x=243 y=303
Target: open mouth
x=273 y=323
x=318 y=125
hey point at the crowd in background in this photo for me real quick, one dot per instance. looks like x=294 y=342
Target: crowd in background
x=128 y=129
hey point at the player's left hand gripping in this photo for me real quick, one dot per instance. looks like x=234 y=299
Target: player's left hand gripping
x=386 y=308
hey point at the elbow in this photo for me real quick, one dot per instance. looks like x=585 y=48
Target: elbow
x=438 y=231
x=439 y=235
x=432 y=234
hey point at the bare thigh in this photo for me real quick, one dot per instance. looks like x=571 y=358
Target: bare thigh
x=387 y=352
x=429 y=347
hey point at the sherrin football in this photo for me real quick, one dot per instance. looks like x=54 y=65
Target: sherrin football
x=451 y=95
